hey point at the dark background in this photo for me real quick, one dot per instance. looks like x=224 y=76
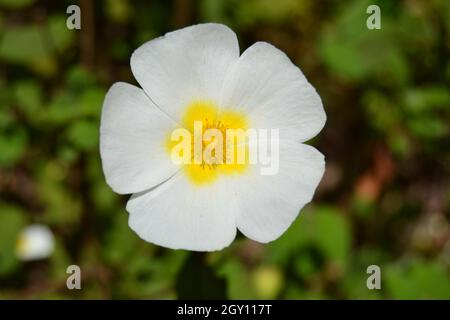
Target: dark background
x=384 y=199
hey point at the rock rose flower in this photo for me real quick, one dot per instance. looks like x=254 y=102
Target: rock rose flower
x=197 y=74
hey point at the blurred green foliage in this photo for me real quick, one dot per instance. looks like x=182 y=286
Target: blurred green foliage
x=384 y=200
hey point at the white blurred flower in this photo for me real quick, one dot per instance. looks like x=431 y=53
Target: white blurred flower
x=35 y=242
x=197 y=74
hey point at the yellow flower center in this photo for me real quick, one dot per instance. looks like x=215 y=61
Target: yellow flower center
x=215 y=143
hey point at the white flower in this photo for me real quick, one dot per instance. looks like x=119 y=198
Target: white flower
x=35 y=242
x=196 y=74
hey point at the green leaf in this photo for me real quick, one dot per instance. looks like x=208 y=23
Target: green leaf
x=429 y=126
x=61 y=36
x=84 y=135
x=120 y=241
x=62 y=108
x=239 y=284
x=420 y=100
x=12 y=220
x=78 y=78
x=400 y=144
x=23 y=45
x=62 y=207
x=12 y=145
x=91 y=102
x=305 y=266
x=382 y=111
x=27 y=45
x=418 y=280
x=342 y=57
x=104 y=198
x=333 y=234
x=29 y=97
x=324 y=228
x=59 y=261
x=6 y=118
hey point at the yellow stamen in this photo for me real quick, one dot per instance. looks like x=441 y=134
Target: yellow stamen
x=229 y=156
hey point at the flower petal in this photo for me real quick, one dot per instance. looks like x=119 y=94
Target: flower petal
x=132 y=136
x=268 y=204
x=185 y=65
x=179 y=215
x=274 y=92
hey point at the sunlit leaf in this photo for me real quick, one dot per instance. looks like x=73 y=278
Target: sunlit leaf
x=418 y=280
